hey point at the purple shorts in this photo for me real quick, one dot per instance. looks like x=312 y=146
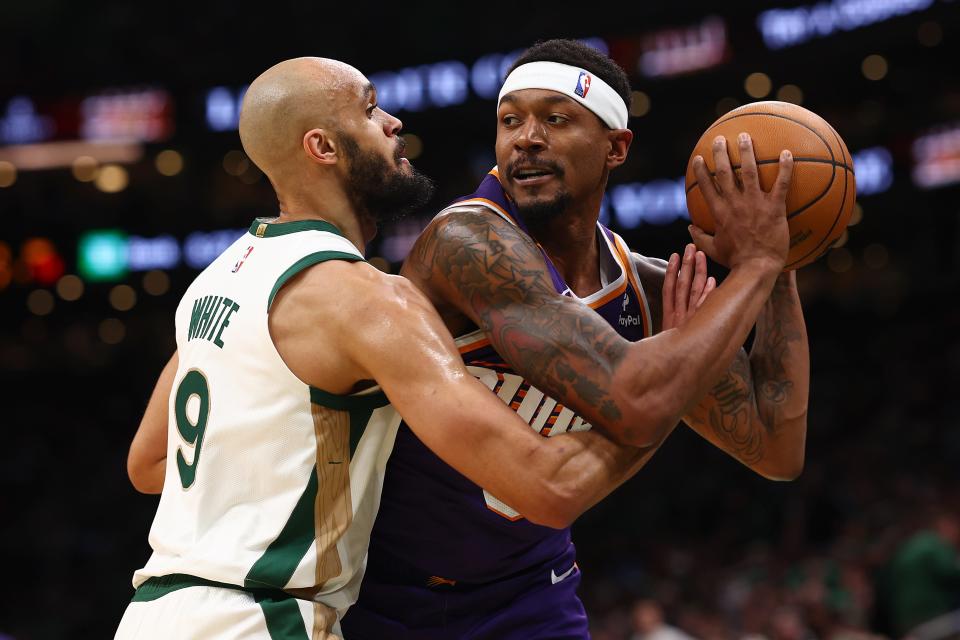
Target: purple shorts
x=539 y=606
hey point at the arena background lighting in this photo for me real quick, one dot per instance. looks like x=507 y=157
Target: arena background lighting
x=122 y=176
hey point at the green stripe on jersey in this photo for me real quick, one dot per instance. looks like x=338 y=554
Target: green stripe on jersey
x=263 y=228
x=280 y=610
x=159 y=586
x=309 y=261
x=277 y=564
x=283 y=617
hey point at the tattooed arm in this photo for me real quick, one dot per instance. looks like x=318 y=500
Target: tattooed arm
x=471 y=261
x=757 y=411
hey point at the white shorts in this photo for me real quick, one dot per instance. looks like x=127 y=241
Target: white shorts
x=214 y=613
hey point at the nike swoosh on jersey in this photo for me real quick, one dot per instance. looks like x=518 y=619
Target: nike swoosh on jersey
x=554 y=578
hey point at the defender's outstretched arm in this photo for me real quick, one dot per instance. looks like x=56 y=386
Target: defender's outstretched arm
x=338 y=323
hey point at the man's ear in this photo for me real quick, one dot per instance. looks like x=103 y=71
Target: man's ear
x=320 y=147
x=620 y=140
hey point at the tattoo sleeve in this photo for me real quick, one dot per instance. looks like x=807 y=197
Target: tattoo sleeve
x=495 y=274
x=757 y=411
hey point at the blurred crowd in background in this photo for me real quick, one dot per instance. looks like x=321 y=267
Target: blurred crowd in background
x=121 y=176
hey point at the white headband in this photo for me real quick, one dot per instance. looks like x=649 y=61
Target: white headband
x=574 y=82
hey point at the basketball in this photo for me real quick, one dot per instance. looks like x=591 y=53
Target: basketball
x=822 y=191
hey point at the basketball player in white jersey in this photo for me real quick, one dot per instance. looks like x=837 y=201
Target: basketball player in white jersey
x=272 y=420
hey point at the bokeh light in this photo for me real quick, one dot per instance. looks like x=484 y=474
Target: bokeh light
x=112 y=331
x=414 y=148
x=85 y=169
x=236 y=162
x=874 y=67
x=8 y=174
x=70 y=287
x=123 y=297
x=112 y=178
x=839 y=260
x=168 y=162
x=790 y=93
x=757 y=85
x=640 y=104
x=40 y=302
x=156 y=283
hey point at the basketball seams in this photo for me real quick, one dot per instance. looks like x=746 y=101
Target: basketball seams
x=843 y=202
x=826 y=190
x=826 y=236
x=833 y=157
x=776 y=160
x=777 y=115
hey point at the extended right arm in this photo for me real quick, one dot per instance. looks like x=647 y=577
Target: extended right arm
x=494 y=274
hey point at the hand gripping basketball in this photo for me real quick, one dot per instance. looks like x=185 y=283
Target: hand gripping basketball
x=750 y=223
x=822 y=190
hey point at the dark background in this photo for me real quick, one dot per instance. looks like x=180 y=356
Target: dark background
x=724 y=553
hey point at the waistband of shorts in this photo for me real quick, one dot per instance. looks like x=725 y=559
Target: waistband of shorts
x=159 y=586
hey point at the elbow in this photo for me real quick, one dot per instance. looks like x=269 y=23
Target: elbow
x=794 y=467
x=145 y=478
x=788 y=466
x=646 y=421
x=552 y=507
x=784 y=472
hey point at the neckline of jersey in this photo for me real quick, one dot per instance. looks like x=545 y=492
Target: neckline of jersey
x=263 y=228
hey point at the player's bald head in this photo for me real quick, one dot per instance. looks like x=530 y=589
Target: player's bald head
x=291 y=98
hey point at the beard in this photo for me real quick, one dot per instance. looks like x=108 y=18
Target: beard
x=381 y=189
x=539 y=211
x=542 y=211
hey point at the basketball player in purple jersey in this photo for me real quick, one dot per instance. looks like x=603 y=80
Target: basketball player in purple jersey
x=552 y=309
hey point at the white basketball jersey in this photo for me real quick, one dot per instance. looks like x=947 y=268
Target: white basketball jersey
x=269 y=482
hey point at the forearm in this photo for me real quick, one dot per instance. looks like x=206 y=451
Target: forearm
x=587 y=468
x=780 y=363
x=756 y=411
x=670 y=372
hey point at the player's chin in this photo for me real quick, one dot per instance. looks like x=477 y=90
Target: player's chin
x=539 y=192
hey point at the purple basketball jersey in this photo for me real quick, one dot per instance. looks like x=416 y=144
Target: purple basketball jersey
x=445 y=555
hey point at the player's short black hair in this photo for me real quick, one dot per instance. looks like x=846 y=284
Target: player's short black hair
x=578 y=54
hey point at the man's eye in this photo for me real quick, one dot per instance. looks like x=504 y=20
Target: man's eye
x=556 y=119
x=371 y=109
x=510 y=120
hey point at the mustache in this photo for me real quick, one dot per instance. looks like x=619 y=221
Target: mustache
x=401 y=147
x=533 y=162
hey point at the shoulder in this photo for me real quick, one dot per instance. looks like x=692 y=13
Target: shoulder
x=337 y=293
x=650 y=270
x=470 y=222
x=467 y=239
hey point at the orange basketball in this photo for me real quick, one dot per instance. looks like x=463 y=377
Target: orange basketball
x=822 y=191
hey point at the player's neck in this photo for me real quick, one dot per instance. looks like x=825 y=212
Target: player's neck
x=570 y=240
x=335 y=208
